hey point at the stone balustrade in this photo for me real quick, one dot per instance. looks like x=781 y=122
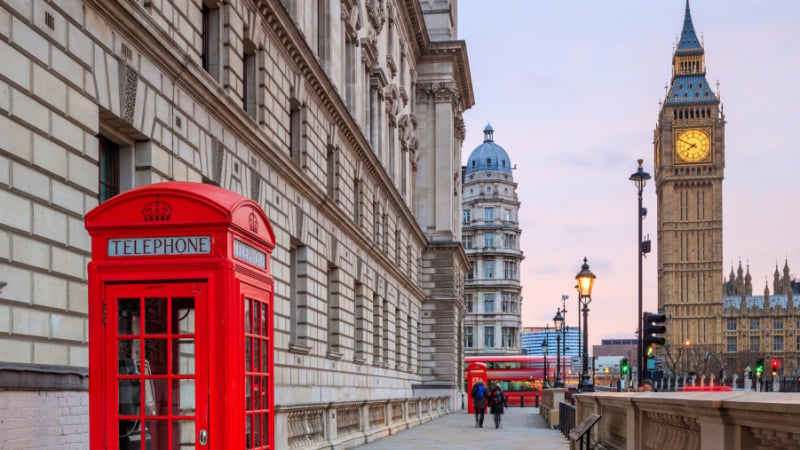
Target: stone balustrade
x=692 y=420
x=346 y=425
x=548 y=408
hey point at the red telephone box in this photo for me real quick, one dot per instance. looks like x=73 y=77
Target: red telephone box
x=476 y=371
x=180 y=321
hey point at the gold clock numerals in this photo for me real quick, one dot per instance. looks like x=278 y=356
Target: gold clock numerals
x=693 y=145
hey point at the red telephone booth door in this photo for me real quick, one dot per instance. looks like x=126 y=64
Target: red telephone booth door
x=157 y=399
x=475 y=371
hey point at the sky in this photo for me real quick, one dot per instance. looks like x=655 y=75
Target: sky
x=572 y=90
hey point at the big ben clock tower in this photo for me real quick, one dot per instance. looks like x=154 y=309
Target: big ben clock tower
x=689 y=166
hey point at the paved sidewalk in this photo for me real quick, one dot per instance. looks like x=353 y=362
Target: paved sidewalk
x=522 y=429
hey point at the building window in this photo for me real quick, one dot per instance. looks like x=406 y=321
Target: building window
x=466 y=217
x=298 y=296
x=377 y=333
x=509 y=241
x=509 y=303
x=488 y=337
x=390 y=156
x=467 y=241
x=755 y=324
x=755 y=344
x=385 y=232
x=509 y=336
x=510 y=270
x=488 y=303
x=731 y=324
x=488 y=214
x=468 y=302
x=469 y=337
x=295 y=130
x=731 y=343
x=488 y=240
x=357 y=201
x=323 y=34
x=777 y=343
x=376 y=222
x=507 y=215
x=210 y=38
x=334 y=311
x=249 y=83
x=109 y=169
x=333 y=172
x=777 y=324
x=350 y=73
x=488 y=269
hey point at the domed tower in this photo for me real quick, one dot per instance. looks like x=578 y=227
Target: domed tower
x=490 y=233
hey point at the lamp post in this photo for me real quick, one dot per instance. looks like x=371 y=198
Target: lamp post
x=640 y=178
x=544 y=352
x=558 y=322
x=585 y=282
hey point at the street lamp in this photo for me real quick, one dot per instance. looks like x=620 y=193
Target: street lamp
x=544 y=352
x=640 y=178
x=585 y=282
x=558 y=322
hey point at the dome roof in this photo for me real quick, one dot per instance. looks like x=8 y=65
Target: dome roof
x=488 y=156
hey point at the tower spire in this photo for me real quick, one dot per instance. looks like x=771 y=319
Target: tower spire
x=688 y=40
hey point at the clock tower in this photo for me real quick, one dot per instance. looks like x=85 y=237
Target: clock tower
x=689 y=144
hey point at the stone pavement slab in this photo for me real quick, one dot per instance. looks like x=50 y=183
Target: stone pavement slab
x=521 y=429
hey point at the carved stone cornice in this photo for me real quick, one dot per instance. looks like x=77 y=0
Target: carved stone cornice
x=376 y=14
x=456 y=52
x=369 y=48
x=351 y=16
x=460 y=129
x=440 y=92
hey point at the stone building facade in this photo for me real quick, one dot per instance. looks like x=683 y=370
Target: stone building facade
x=761 y=326
x=342 y=119
x=689 y=161
x=491 y=238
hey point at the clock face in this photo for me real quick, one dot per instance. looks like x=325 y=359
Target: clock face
x=693 y=145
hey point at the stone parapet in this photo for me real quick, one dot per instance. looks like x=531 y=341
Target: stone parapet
x=708 y=421
x=347 y=425
x=548 y=408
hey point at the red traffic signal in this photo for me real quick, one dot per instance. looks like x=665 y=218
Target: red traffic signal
x=774 y=365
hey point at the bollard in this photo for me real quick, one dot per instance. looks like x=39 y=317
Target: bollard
x=521 y=401
x=537 y=400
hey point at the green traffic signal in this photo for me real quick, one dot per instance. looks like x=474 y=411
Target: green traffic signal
x=623 y=366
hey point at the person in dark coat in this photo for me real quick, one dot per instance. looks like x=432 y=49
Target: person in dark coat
x=497 y=404
x=480 y=395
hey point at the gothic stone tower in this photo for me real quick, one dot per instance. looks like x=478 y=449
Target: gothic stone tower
x=689 y=145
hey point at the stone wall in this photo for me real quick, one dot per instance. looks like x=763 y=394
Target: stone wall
x=707 y=421
x=44 y=420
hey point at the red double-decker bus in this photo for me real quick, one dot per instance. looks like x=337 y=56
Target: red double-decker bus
x=521 y=376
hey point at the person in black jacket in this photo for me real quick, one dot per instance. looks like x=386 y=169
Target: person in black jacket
x=479 y=394
x=497 y=403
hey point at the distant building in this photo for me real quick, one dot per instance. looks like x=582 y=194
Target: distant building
x=532 y=338
x=761 y=326
x=616 y=349
x=490 y=233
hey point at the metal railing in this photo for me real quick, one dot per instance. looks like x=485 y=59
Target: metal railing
x=566 y=418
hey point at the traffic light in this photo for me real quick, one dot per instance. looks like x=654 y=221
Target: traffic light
x=653 y=326
x=623 y=366
x=774 y=367
x=759 y=366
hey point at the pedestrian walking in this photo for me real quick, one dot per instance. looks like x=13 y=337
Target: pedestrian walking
x=479 y=396
x=497 y=404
